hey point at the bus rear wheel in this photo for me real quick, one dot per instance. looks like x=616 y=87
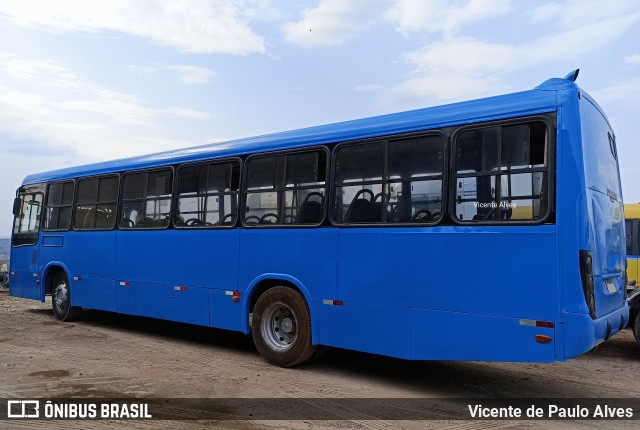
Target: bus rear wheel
x=61 y=299
x=281 y=327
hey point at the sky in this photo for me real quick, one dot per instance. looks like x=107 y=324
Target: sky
x=84 y=81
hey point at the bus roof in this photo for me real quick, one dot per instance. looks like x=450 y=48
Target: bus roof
x=540 y=100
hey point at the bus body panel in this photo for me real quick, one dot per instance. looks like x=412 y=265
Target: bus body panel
x=604 y=208
x=480 y=270
x=571 y=206
x=186 y=304
x=224 y=312
x=204 y=258
x=443 y=335
x=306 y=257
x=169 y=273
x=379 y=282
x=91 y=259
x=607 y=234
x=588 y=220
x=126 y=297
x=367 y=327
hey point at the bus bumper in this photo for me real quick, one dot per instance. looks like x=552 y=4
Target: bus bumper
x=581 y=333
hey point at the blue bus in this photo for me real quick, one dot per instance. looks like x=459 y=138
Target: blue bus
x=488 y=230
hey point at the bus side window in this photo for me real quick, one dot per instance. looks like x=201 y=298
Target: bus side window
x=359 y=180
x=415 y=167
x=304 y=188
x=208 y=195
x=502 y=173
x=59 y=206
x=286 y=188
x=146 y=199
x=96 y=203
x=394 y=182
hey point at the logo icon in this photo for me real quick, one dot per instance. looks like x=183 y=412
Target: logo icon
x=23 y=409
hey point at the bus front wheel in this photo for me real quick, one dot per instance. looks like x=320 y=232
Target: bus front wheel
x=61 y=299
x=281 y=327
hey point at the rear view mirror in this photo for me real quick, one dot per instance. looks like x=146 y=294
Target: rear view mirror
x=17 y=205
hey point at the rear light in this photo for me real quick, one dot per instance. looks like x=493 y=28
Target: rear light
x=543 y=338
x=586 y=274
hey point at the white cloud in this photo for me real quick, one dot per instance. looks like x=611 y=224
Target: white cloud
x=464 y=54
x=106 y=123
x=572 y=13
x=581 y=39
x=40 y=71
x=120 y=108
x=546 y=12
x=445 y=86
x=446 y=16
x=456 y=68
x=26 y=120
x=28 y=102
x=334 y=21
x=460 y=67
x=77 y=93
x=191 y=75
x=42 y=132
x=187 y=113
x=632 y=59
x=199 y=26
x=369 y=87
x=624 y=93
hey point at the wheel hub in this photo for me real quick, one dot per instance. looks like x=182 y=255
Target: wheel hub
x=278 y=326
x=287 y=325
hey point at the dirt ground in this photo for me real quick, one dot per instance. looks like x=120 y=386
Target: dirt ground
x=109 y=355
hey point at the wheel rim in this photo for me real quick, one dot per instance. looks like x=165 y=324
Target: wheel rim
x=61 y=299
x=279 y=326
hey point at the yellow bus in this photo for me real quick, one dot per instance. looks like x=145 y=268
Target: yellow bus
x=632 y=217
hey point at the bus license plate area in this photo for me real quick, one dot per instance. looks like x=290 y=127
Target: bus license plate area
x=611 y=286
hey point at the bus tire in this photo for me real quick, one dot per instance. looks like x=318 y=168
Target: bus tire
x=281 y=327
x=61 y=299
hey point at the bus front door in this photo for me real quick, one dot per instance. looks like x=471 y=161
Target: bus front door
x=24 y=275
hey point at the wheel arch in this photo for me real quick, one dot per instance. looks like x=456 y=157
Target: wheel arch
x=49 y=274
x=266 y=281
